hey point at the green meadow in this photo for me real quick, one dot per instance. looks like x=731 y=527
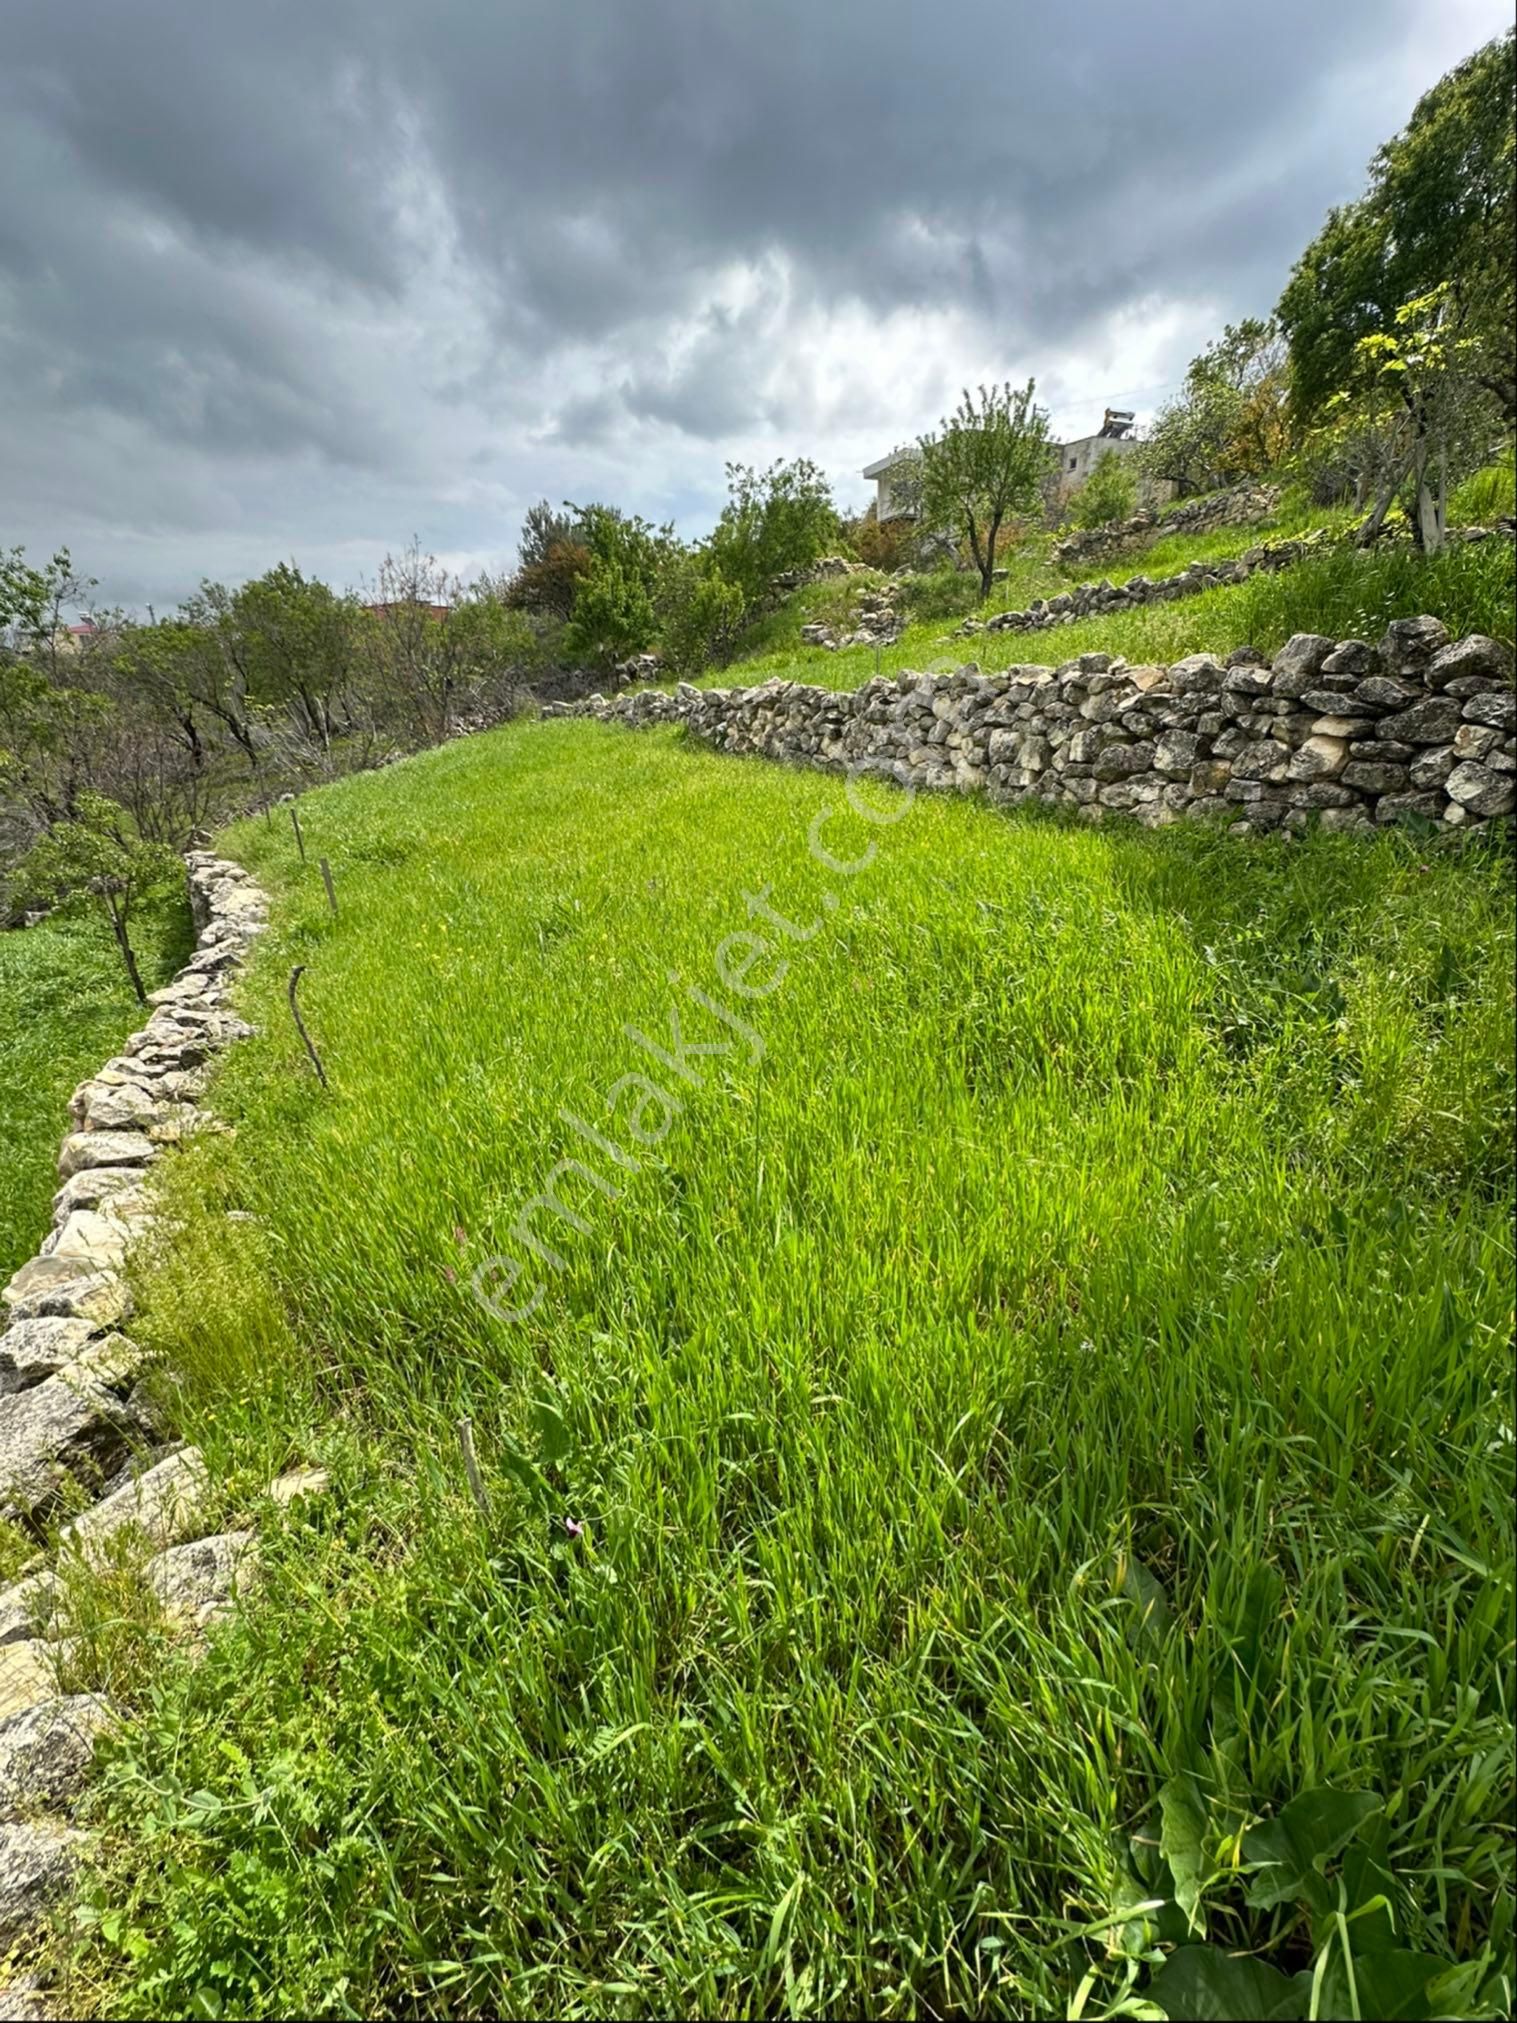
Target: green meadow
x=1343 y=592
x=65 y=1004
x=1039 y=1380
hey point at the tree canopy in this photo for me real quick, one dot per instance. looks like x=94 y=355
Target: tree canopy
x=1440 y=208
x=986 y=463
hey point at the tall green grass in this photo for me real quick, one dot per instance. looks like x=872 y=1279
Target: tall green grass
x=1075 y=1352
x=1345 y=593
x=65 y=1004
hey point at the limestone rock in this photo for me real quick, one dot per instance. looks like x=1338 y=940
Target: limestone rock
x=98 y=1240
x=1474 y=654
x=103 y=1148
x=28 y=1606
x=298 y=1482
x=32 y=1350
x=93 y=1186
x=24 y=2002
x=1497 y=710
x=26 y=1677
x=68 y=1423
x=1431 y=722
x=37 y=1863
x=67 y=1287
x=197 y=1581
x=1299 y=662
x=45 y=1752
x=1481 y=790
x=1411 y=643
x=161 y=1504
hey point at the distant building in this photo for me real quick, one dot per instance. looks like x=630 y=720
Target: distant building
x=887 y=473
x=1077 y=459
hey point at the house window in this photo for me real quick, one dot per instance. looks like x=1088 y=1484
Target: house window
x=1073 y=461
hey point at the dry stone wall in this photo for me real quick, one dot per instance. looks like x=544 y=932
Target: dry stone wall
x=1342 y=732
x=76 y=1419
x=1235 y=507
x=1089 y=600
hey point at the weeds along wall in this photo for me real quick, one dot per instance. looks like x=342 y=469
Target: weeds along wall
x=1341 y=732
x=1235 y=507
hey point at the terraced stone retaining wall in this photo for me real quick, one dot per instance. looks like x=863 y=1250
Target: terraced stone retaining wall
x=77 y=1422
x=1087 y=600
x=1234 y=507
x=1342 y=732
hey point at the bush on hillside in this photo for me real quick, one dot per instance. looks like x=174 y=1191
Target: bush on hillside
x=940 y=593
x=775 y=521
x=883 y=544
x=613 y=614
x=1110 y=493
x=699 y=614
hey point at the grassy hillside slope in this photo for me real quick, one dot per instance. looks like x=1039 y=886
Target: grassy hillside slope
x=65 y=1004
x=1061 y=1345
x=1344 y=593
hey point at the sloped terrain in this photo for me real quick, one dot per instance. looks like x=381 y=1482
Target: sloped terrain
x=1050 y=1343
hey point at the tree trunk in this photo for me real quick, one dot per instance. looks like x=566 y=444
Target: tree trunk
x=988 y=566
x=118 y=928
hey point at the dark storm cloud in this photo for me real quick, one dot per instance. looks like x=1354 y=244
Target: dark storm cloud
x=320 y=274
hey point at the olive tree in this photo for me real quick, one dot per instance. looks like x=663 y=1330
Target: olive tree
x=985 y=464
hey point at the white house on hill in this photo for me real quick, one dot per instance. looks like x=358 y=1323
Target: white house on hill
x=1077 y=459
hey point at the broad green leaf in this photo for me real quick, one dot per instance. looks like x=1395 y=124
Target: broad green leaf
x=1182 y=1840
x=554 y=1440
x=1294 y=1848
x=1201 y=1984
x=1391 y=1987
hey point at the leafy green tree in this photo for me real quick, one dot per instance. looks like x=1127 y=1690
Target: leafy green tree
x=96 y=853
x=613 y=613
x=986 y=463
x=550 y=584
x=295 y=640
x=1416 y=416
x=699 y=614
x=542 y=530
x=1109 y=493
x=774 y=521
x=1230 y=418
x=1441 y=208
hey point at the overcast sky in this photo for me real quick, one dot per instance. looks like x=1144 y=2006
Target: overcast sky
x=308 y=277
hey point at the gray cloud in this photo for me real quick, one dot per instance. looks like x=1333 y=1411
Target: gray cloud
x=315 y=277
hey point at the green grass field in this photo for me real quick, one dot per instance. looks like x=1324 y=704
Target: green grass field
x=1345 y=593
x=1058 y=1352
x=65 y=1004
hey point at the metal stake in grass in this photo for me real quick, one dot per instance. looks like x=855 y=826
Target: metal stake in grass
x=300 y=841
x=471 y=1468
x=295 y=975
x=326 y=879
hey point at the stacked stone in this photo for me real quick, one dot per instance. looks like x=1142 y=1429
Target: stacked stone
x=1339 y=732
x=1088 y=600
x=73 y=1410
x=1232 y=508
x=879 y=624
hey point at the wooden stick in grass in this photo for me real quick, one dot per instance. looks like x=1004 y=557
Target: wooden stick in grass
x=295 y=975
x=300 y=841
x=471 y=1468
x=326 y=879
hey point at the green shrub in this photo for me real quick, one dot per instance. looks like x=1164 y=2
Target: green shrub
x=940 y=593
x=699 y=613
x=613 y=613
x=1109 y=493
